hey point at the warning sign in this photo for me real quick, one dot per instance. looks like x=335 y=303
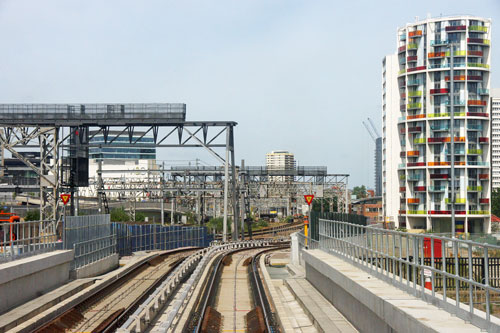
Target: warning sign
x=309 y=198
x=65 y=198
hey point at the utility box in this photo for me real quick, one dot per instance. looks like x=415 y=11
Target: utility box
x=438 y=253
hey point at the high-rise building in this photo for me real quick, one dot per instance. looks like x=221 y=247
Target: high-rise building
x=280 y=160
x=495 y=138
x=444 y=65
x=391 y=147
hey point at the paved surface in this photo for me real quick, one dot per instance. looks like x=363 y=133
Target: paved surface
x=234 y=299
x=393 y=306
x=291 y=316
x=325 y=316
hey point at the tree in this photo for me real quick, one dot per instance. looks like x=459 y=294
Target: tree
x=140 y=217
x=119 y=215
x=359 y=192
x=327 y=204
x=495 y=202
x=218 y=222
x=32 y=215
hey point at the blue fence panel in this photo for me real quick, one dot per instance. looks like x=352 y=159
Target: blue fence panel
x=132 y=238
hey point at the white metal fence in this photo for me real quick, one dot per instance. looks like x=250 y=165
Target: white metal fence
x=22 y=239
x=90 y=251
x=463 y=269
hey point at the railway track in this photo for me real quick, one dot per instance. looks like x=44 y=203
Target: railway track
x=234 y=299
x=106 y=309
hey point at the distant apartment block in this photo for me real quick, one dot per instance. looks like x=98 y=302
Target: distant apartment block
x=423 y=108
x=495 y=138
x=280 y=160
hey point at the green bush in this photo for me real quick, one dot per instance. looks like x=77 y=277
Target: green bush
x=119 y=215
x=217 y=224
x=32 y=215
x=139 y=217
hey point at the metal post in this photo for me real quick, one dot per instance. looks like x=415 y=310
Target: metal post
x=346 y=196
x=233 y=183
x=226 y=187
x=452 y=141
x=172 y=211
x=162 y=194
x=242 y=200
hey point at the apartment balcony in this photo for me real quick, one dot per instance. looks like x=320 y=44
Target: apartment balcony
x=412 y=58
x=440 y=91
x=414 y=69
x=414 y=178
x=413 y=201
x=419 y=141
x=478 y=114
x=402 y=71
x=402 y=189
x=414 y=34
x=474 y=151
x=472 y=78
x=474 y=188
x=456 y=28
x=484 y=201
x=440 y=176
x=411 y=83
x=478 y=65
x=401 y=166
x=434 y=55
x=415 y=164
x=446 y=139
x=401 y=211
x=457 y=200
x=437 y=188
x=442 y=163
x=440 y=127
x=457 y=152
x=402 y=107
x=417 y=93
x=445 y=114
x=412 y=46
x=401 y=119
x=478 y=163
x=415 y=129
x=415 y=116
x=484 y=176
x=416 y=212
x=474 y=127
x=478 y=41
x=414 y=106
x=475 y=53
x=478 y=28
x=402 y=49
x=419 y=189
x=412 y=153
x=402 y=154
x=439 y=42
x=402 y=177
x=478 y=212
x=483 y=139
x=457 y=78
x=476 y=102
x=439 y=212
x=483 y=91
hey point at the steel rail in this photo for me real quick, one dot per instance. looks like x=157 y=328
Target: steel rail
x=97 y=295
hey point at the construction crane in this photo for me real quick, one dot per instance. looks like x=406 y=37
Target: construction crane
x=372 y=131
x=378 y=155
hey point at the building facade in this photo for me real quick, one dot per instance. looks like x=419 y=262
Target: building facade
x=426 y=50
x=391 y=147
x=280 y=160
x=495 y=138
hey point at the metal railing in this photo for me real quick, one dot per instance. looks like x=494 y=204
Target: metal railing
x=90 y=251
x=410 y=261
x=22 y=239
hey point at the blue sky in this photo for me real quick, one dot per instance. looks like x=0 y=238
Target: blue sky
x=296 y=75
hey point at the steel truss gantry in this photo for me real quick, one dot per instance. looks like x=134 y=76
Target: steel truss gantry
x=50 y=127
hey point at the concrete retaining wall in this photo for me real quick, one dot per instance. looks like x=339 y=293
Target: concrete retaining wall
x=24 y=279
x=96 y=268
